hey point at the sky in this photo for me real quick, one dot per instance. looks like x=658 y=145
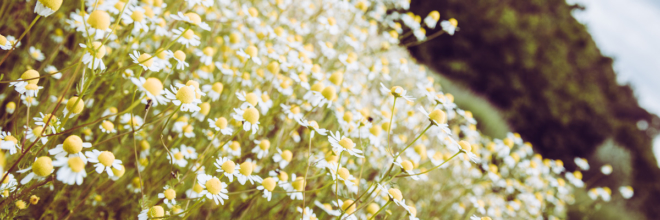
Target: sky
x=629 y=32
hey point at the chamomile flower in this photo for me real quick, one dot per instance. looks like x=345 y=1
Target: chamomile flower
x=250 y=53
x=249 y=117
x=135 y=15
x=153 y=212
x=307 y=213
x=292 y=112
x=99 y=24
x=450 y=26
x=168 y=195
x=213 y=188
x=35 y=133
x=9 y=184
x=144 y=60
x=233 y=148
x=283 y=157
x=7 y=42
x=185 y=96
x=8 y=142
x=220 y=124
x=626 y=191
x=47 y=7
x=186 y=37
x=36 y=54
x=437 y=118
x=103 y=161
x=249 y=99
x=395 y=195
x=41 y=168
x=397 y=91
x=94 y=55
x=206 y=55
x=53 y=72
x=72 y=169
x=407 y=167
x=313 y=126
x=262 y=148
x=226 y=167
x=180 y=57
x=267 y=186
x=72 y=146
x=432 y=19
x=341 y=143
x=296 y=187
x=28 y=87
x=107 y=127
x=195 y=191
x=191 y=18
x=130 y=122
x=177 y=157
x=214 y=90
x=327 y=208
x=606 y=169
x=245 y=173
x=582 y=163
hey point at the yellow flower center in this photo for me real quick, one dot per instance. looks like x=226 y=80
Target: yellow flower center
x=274 y=67
x=221 y=123
x=32 y=87
x=178 y=156
x=36 y=131
x=228 y=166
x=217 y=87
x=11 y=138
x=197 y=188
x=106 y=158
x=99 y=19
x=108 y=126
x=170 y=194
x=252 y=98
x=287 y=155
x=153 y=86
x=252 y=51
x=329 y=93
x=317 y=87
x=373 y=208
x=137 y=16
x=246 y=168
x=74 y=107
x=343 y=173
x=465 y=145
x=43 y=166
x=30 y=74
x=298 y=184
x=283 y=176
x=180 y=55
x=156 y=212
x=213 y=186
x=348 y=206
x=269 y=184
x=235 y=145
x=264 y=144
x=397 y=91
x=407 y=165
x=194 y=17
x=251 y=115
x=189 y=34
x=76 y=164
x=253 y=12
x=208 y=51
x=186 y=94
x=337 y=77
x=52 y=4
x=395 y=193
x=145 y=59
x=438 y=116
x=136 y=182
x=119 y=172
x=413 y=211
x=72 y=144
x=347 y=143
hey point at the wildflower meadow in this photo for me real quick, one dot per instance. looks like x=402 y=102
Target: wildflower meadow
x=262 y=109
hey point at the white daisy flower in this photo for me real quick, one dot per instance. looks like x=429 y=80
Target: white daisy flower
x=245 y=173
x=186 y=37
x=153 y=88
x=72 y=169
x=213 y=188
x=103 y=160
x=8 y=142
x=144 y=60
x=449 y=26
x=340 y=143
x=135 y=15
x=214 y=90
x=185 y=96
x=327 y=208
x=249 y=117
x=8 y=42
x=177 y=157
x=192 y=18
x=93 y=55
x=37 y=54
x=41 y=168
x=283 y=157
x=47 y=8
x=53 y=71
x=262 y=148
x=72 y=146
x=396 y=91
x=438 y=118
x=226 y=167
x=168 y=195
x=267 y=186
x=107 y=127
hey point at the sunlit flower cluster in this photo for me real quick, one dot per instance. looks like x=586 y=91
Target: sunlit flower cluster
x=227 y=109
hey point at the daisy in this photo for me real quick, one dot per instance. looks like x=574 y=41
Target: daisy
x=107 y=127
x=41 y=168
x=135 y=15
x=9 y=184
x=251 y=53
x=180 y=57
x=21 y=86
x=214 y=90
x=233 y=148
x=314 y=126
x=348 y=179
x=72 y=169
x=297 y=186
x=582 y=163
x=206 y=55
x=249 y=117
x=626 y=191
x=292 y=112
x=395 y=195
x=606 y=169
x=103 y=160
x=407 y=167
x=169 y=195
x=195 y=191
x=36 y=54
x=47 y=8
x=186 y=37
x=192 y=18
x=262 y=148
x=29 y=101
x=8 y=142
x=397 y=91
x=467 y=149
x=185 y=96
x=249 y=99
x=6 y=43
x=283 y=157
x=213 y=188
x=327 y=208
x=245 y=173
x=220 y=124
x=130 y=122
x=152 y=87
x=156 y=212
x=144 y=60
x=438 y=118
x=267 y=186
x=53 y=72
x=72 y=146
x=449 y=26
x=307 y=213
x=189 y=152
x=177 y=157
x=226 y=167
x=340 y=144
x=34 y=134
x=93 y=56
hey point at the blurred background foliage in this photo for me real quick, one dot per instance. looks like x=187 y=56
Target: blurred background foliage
x=545 y=76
